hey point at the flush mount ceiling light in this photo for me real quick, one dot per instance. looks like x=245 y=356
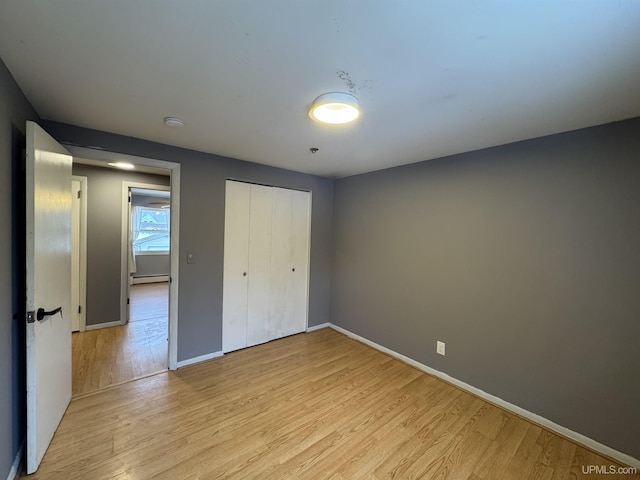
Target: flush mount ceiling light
x=123 y=165
x=173 y=122
x=335 y=108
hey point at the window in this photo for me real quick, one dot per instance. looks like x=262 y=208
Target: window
x=150 y=229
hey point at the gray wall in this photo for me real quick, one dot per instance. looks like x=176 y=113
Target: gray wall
x=152 y=265
x=524 y=259
x=202 y=229
x=104 y=237
x=15 y=110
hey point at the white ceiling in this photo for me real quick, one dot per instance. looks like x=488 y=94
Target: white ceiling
x=433 y=78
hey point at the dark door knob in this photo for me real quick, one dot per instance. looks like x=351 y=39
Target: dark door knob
x=41 y=313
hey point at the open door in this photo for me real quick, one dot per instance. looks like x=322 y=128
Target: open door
x=48 y=271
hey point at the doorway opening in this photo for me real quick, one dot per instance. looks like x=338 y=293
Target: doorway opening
x=145 y=245
x=143 y=339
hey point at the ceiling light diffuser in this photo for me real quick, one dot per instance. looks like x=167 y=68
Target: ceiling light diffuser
x=335 y=108
x=123 y=165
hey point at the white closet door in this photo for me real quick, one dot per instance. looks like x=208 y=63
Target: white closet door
x=281 y=306
x=266 y=264
x=236 y=266
x=259 y=264
x=299 y=266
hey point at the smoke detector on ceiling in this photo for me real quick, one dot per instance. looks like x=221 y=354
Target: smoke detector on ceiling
x=173 y=122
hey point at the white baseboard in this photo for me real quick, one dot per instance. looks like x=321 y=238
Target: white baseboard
x=150 y=279
x=209 y=356
x=537 y=419
x=13 y=473
x=103 y=325
x=201 y=358
x=318 y=327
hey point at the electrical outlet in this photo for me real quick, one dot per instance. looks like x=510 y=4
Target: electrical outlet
x=440 y=347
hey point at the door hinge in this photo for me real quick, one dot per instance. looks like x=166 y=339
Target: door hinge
x=79 y=193
x=79 y=308
x=128 y=301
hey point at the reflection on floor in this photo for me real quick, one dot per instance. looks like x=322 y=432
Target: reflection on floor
x=109 y=356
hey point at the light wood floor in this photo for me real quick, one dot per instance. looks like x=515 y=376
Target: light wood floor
x=312 y=406
x=109 y=356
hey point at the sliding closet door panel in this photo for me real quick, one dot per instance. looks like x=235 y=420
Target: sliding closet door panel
x=281 y=306
x=259 y=264
x=299 y=271
x=236 y=266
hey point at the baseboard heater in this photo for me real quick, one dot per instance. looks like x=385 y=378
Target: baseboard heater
x=150 y=279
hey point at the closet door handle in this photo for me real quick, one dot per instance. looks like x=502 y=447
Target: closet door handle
x=244 y=274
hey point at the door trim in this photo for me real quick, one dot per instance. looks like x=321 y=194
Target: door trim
x=82 y=243
x=174 y=170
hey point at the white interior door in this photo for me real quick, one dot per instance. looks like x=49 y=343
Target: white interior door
x=236 y=266
x=48 y=271
x=266 y=264
x=298 y=268
x=259 y=265
x=281 y=304
x=289 y=262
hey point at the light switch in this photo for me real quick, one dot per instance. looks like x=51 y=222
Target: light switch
x=191 y=258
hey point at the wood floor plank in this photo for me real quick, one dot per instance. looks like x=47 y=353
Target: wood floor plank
x=312 y=406
x=524 y=459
